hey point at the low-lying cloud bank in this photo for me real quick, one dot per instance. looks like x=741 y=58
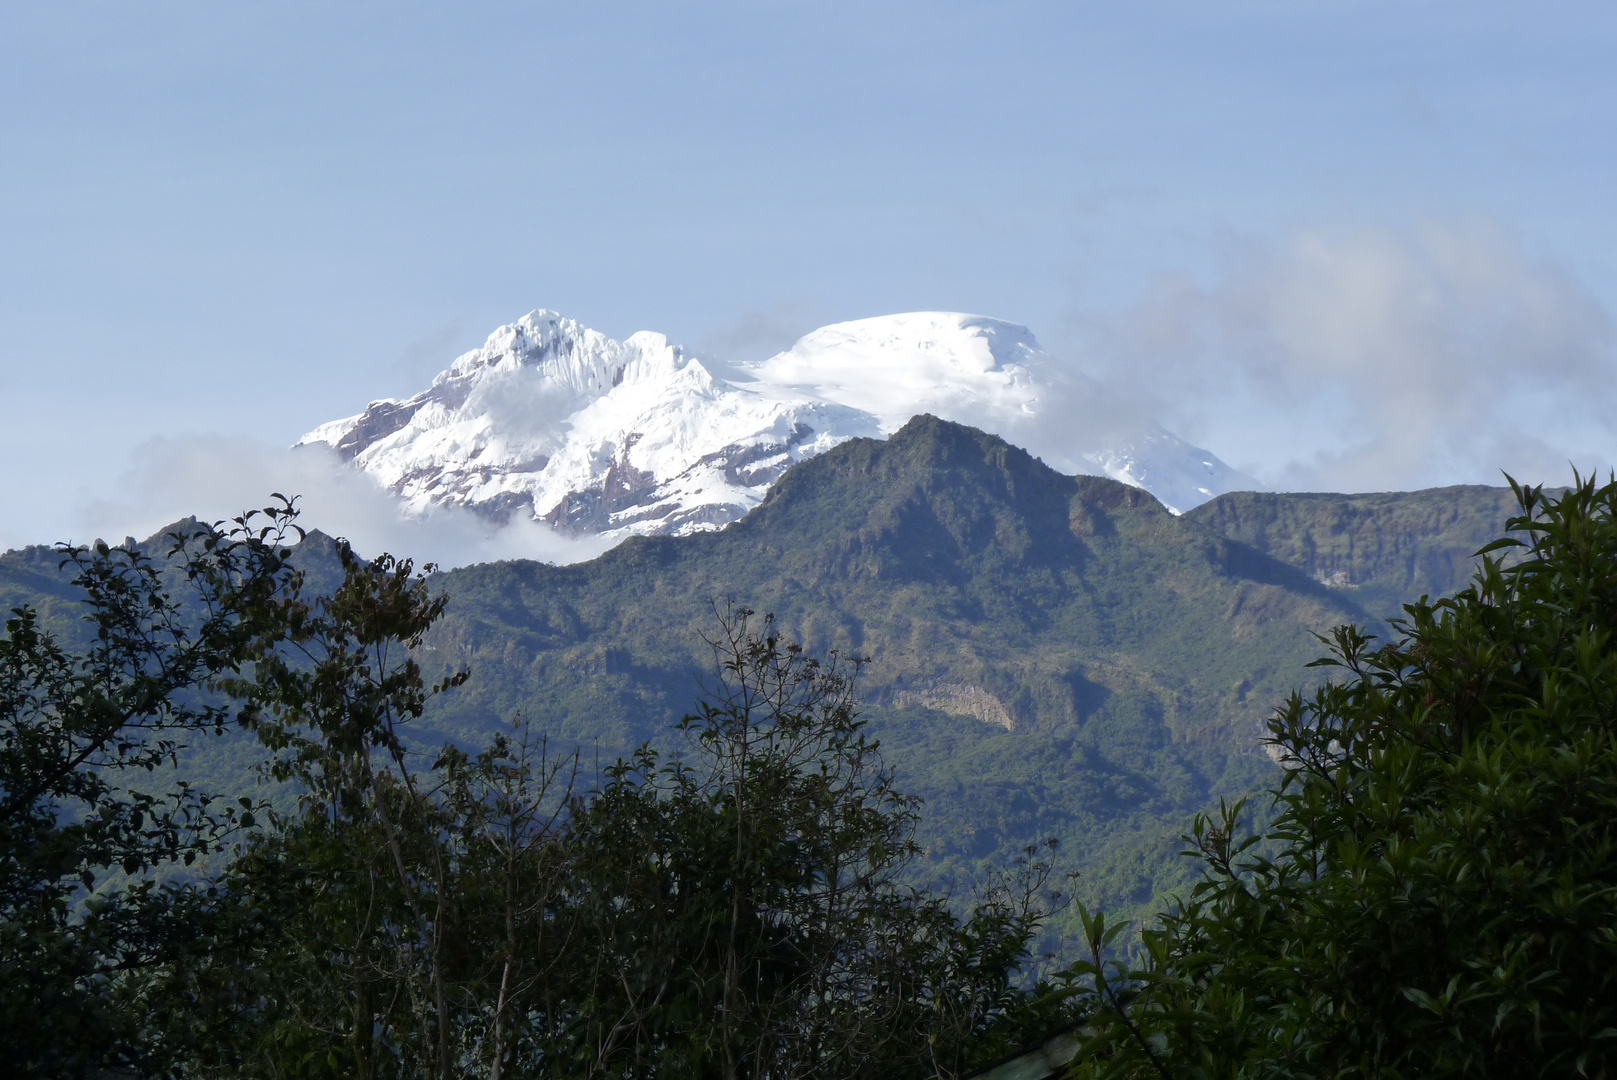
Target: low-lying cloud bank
x=1375 y=358
x=217 y=477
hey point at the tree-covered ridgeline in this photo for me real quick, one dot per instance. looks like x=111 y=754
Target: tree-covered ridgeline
x=1134 y=655
x=1050 y=655
x=737 y=909
x=1437 y=894
x=1433 y=892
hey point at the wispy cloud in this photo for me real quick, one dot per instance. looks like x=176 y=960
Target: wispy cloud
x=1376 y=358
x=217 y=477
x=427 y=355
x=758 y=333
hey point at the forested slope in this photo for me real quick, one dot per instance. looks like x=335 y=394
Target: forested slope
x=1049 y=655
x=1386 y=548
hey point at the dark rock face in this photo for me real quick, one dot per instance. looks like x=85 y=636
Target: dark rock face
x=506 y=506
x=382 y=419
x=629 y=496
x=623 y=488
x=1389 y=546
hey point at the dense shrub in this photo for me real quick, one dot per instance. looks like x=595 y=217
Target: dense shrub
x=1437 y=895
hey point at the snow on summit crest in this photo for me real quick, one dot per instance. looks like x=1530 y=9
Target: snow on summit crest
x=554 y=421
x=896 y=366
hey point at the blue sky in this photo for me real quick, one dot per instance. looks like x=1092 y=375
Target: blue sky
x=1344 y=245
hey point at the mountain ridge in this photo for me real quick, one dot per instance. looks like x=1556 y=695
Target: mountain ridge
x=1051 y=655
x=1386 y=548
x=560 y=423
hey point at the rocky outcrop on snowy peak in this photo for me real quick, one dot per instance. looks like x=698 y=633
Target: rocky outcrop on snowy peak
x=557 y=422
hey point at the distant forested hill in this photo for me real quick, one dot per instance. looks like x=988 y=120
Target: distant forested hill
x=1385 y=548
x=1048 y=655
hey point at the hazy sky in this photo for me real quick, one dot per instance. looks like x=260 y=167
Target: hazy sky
x=1342 y=245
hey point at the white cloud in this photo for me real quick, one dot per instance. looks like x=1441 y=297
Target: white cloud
x=759 y=332
x=217 y=477
x=1377 y=358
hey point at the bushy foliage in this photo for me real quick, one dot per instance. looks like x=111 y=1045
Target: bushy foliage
x=1438 y=893
x=80 y=731
x=736 y=912
x=749 y=906
x=734 y=909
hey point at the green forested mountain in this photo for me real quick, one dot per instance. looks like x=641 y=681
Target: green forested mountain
x=1385 y=548
x=1048 y=655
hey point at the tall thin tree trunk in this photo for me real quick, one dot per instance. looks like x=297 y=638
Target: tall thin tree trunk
x=498 y=1063
x=431 y=933
x=360 y=1039
x=511 y=892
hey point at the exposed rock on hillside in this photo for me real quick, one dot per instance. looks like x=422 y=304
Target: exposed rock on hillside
x=1387 y=548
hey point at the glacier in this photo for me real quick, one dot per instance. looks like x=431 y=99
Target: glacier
x=556 y=422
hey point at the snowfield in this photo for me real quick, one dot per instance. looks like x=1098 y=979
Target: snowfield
x=557 y=422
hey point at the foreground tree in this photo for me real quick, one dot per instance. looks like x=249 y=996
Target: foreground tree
x=734 y=912
x=86 y=719
x=1438 y=893
x=747 y=908
x=334 y=956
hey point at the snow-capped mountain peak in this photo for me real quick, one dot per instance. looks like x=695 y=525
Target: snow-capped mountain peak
x=553 y=420
x=896 y=366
